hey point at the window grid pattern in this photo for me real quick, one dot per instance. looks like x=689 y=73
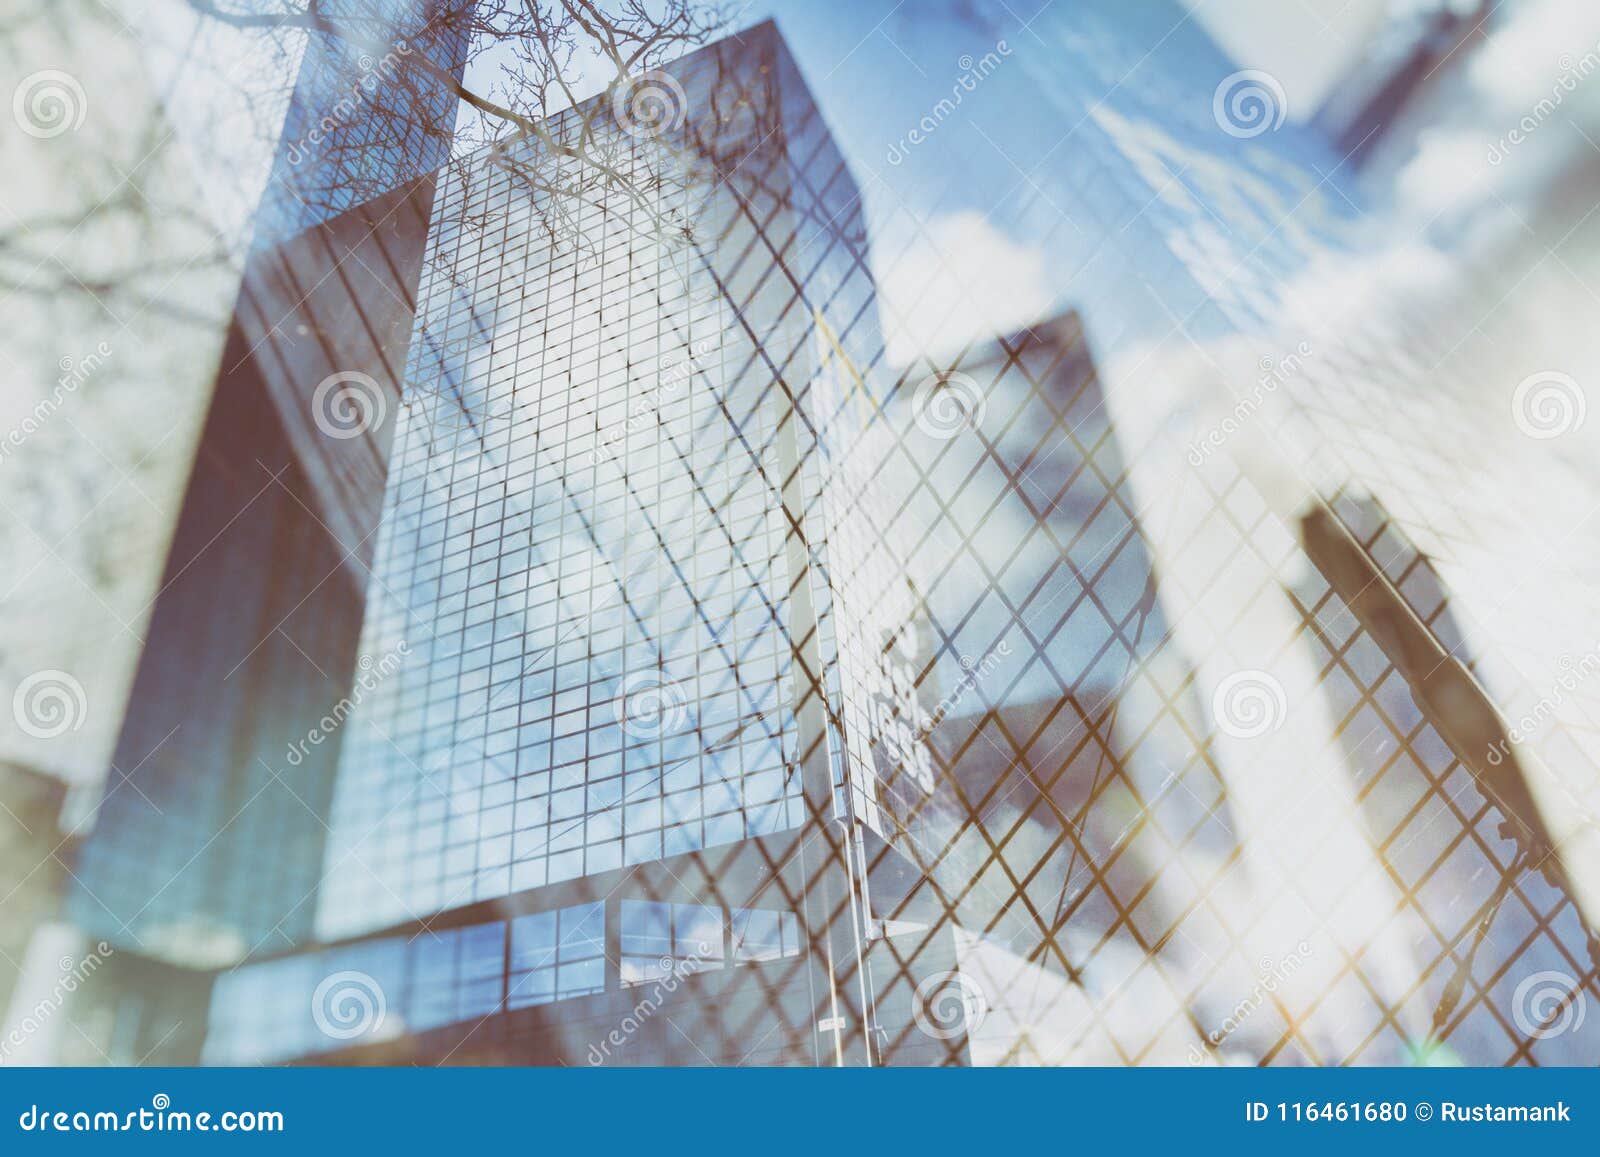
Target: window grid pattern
x=1164 y=860
x=1117 y=869
x=584 y=514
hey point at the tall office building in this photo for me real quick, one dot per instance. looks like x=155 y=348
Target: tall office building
x=367 y=116
x=651 y=703
x=1406 y=867
x=1108 y=837
x=724 y=697
x=206 y=845
x=1066 y=716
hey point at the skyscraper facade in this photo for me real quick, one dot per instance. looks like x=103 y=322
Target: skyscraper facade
x=651 y=694
x=1381 y=813
x=205 y=848
x=724 y=694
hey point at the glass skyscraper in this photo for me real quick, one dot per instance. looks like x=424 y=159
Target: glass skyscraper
x=1123 y=689
x=639 y=554
x=1345 y=846
x=206 y=846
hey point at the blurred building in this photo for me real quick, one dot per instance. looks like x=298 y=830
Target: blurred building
x=1408 y=60
x=196 y=850
x=1408 y=793
x=1067 y=731
x=30 y=839
x=723 y=694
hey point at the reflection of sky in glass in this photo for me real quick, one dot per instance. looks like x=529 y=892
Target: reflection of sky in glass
x=542 y=574
x=380 y=989
x=1086 y=142
x=586 y=539
x=1160 y=857
x=353 y=131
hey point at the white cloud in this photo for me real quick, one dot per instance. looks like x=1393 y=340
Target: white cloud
x=962 y=279
x=1308 y=46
